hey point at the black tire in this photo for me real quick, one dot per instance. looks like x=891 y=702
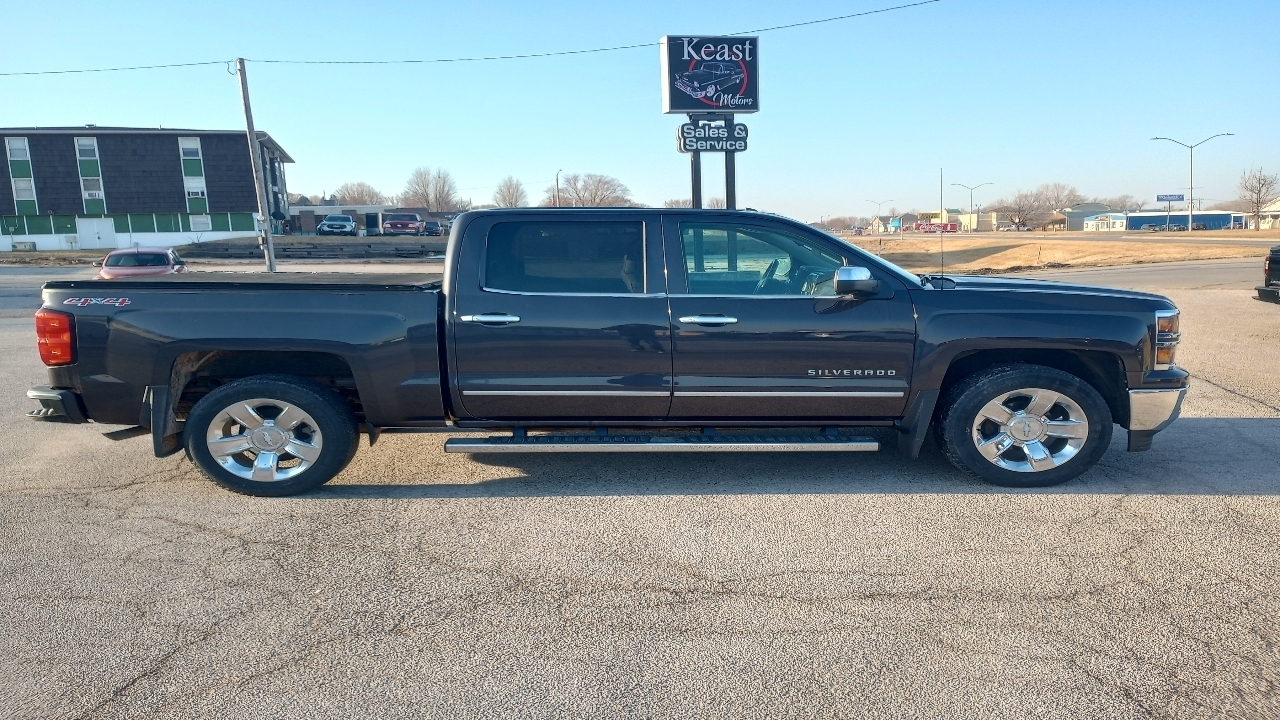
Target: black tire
x=334 y=431
x=961 y=409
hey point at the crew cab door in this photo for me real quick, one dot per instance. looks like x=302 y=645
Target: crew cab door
x=759 y=333
x=561 y=317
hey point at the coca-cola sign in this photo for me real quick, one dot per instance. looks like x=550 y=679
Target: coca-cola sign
x=936 y=227
x=710 y=74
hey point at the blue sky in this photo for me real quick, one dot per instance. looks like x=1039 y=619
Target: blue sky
x=1015 y=93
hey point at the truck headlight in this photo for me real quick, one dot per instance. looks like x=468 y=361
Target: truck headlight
x=1167 y=338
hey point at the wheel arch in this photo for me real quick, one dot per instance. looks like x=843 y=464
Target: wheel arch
x=1104 y=371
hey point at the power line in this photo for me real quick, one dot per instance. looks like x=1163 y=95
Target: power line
x=525 y=56
x=115 y=69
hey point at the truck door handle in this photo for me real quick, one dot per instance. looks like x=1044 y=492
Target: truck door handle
x=708 y=320
x=491 y=319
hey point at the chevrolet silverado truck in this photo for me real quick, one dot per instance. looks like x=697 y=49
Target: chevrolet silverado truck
x=614 y=330
x=1270 y=287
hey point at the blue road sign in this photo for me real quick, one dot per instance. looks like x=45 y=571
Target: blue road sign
x=1171 y=198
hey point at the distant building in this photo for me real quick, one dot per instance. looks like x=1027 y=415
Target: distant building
x=106 y=188
x=1126 y=221
x=1073 y=217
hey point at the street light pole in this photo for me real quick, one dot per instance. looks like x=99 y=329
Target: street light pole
x=878 y=203
x=1191 y=187
x=971 y=189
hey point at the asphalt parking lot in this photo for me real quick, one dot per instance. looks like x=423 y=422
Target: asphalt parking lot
x=420 y=584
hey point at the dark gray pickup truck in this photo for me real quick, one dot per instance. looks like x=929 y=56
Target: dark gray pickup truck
x=614 y=330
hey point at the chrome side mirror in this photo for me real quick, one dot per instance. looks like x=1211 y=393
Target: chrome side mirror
x=857 y=281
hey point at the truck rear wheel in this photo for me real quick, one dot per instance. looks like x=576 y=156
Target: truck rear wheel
x=271 y=435
x=1024 y=426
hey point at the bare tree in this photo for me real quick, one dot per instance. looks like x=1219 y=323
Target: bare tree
x=510 y=193
x=359 y=193
x=1024 y=208
x=434 y=190
x=847 y=222
x=1059 y=195
x=1257 y=190
x=589 y=190
x=678 y=203
x=1120 y=203
x=714 y=204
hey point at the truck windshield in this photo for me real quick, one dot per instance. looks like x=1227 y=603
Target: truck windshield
x=337 y=218
x=397 y=217
x=138 y=260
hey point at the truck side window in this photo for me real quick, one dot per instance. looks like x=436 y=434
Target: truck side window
x=565 y=257
x=730 y=259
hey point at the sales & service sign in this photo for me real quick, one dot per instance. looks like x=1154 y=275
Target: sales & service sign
x=710 y=74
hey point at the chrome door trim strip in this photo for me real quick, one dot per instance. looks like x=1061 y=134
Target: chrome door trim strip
x=597 y=393
x=820 y=393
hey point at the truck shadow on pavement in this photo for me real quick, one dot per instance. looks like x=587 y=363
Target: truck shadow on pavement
x=1196 y=456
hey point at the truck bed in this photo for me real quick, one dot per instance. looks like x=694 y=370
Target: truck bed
x=259 y=281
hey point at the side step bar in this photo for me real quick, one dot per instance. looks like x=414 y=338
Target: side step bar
x=662 y=443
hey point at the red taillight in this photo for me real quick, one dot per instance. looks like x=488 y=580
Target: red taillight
x=56 y=337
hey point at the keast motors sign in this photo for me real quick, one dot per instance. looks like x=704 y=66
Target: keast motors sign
x=710 y=74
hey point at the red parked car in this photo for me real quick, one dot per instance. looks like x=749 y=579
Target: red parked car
x=402 y=224
x=140 y=261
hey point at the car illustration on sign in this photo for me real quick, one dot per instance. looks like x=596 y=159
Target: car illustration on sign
x=708 y=79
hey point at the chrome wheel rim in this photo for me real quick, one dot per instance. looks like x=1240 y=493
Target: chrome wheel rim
x=264 y=440
x=1030 y=430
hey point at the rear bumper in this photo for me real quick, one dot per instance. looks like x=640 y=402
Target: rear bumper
x=57 y=405
x=1268 y=292
x=1151 y=411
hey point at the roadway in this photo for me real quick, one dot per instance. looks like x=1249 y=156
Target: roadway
x=420 y=584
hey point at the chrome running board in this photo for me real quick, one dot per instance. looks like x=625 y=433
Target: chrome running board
x=662 y=443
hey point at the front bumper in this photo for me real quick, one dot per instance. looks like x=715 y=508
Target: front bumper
x=56 y=405
x=1151 y=411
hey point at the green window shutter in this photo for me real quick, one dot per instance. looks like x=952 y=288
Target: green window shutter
x=197 y=206
x=14 y=225
x=95 y=207
x=242 y=221
x=192 y=167
x=39 y=224
x=186 y=222
x=220 y=222
x=166 y=222
x=20 y=168
x=64 y=224
x=142 y=223
x=27 y=207
x=122 y=223
x=90 y=169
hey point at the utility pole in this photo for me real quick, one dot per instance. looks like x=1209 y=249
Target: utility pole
x=971 y=212
x=558 y=188
x=259 y=182
x=1191 y=186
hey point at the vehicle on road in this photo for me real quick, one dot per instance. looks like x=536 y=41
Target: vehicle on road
x=1016 y=228
x=134 y=262
x=1151 y=227
x=1199 y=226
x=402 y=224
x=338 y=225
x=1175 y=227
x=1270 y=287
x=615 y=330
x=432 y=227
x=709 y=78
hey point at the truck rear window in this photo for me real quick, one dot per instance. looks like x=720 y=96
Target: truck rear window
x=566 y=257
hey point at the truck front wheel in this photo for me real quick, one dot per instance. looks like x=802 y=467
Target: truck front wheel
x=271 y=435
x=1023 y=426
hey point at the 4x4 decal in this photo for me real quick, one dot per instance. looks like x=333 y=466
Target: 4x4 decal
x=84 y=302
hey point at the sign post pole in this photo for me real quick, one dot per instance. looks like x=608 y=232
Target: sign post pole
x=730 y=171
